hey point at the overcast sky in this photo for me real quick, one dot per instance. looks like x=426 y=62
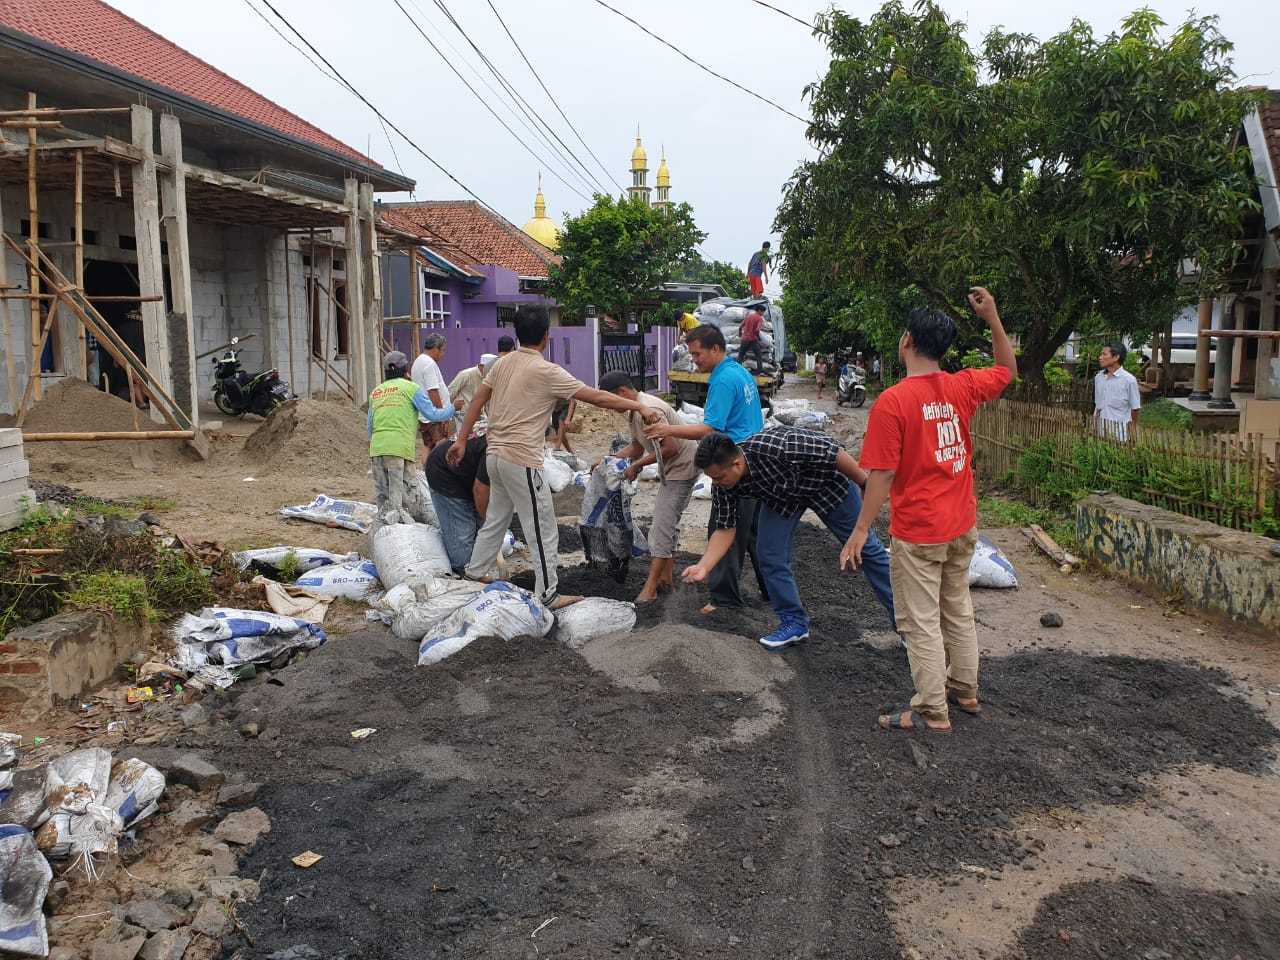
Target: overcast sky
x=729 y=153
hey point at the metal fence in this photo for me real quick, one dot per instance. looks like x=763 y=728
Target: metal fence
x=1054 y=453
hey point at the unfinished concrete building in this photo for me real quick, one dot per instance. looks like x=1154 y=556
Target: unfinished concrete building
x=179 y=208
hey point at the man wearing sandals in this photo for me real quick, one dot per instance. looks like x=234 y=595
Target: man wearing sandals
x=917 y=452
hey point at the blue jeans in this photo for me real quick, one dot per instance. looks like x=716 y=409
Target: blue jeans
x=774 y=541
x=459 y=523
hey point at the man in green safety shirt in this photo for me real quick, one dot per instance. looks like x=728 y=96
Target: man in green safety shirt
x=394 y=406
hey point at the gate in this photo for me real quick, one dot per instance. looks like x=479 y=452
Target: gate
x=625 y=352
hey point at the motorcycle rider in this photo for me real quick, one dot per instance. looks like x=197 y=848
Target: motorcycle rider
x=394 y=408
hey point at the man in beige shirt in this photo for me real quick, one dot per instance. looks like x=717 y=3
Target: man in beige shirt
x=521 y=392
x=676 y=469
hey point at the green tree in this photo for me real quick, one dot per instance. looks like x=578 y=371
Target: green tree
x=619 y=252
x=698 y=269
x=1074 y=177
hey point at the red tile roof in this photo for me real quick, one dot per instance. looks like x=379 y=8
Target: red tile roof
x=1269 y=112
x=476 y=234
x=100 y=32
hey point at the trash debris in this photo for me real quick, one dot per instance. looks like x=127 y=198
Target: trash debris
x=407 y=551
x=990 y=568
x=353 y=580
x=26 y=882
x=269 y=560
x=500 y=610
x=293 y=601
x=609 y=535
x=307 y=859
x=594 y=617
x=155 y=673
x=348 y=514
x=9 y=744
x=363 y=732
x=140 y=695
x=219 y=638
x=702 y=487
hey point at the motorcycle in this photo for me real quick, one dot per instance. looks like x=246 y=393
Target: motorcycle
x=852 y=386
x=236 y=393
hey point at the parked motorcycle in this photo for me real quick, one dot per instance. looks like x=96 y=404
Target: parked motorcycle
x=852 y=386
x=236 y=393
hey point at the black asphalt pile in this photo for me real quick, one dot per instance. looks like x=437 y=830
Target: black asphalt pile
x=1127 y=918
x=513 y=784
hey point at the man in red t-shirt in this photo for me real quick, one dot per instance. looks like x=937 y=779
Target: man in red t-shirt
x=917 y=450
x=749 y=337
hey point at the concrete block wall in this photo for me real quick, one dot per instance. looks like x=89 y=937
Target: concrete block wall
x=1215 y=568
x=65 y=656
x=15 y=495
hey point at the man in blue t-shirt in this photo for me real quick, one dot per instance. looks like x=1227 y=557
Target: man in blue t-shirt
x=733 y=407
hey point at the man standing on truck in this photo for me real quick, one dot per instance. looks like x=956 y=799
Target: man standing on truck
x=733 y=408
x=749 y=337
x=758 y=270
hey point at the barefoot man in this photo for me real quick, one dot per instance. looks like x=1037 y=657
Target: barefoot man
x=676 y=469
x=733 y=408
x=521 y=390
x=917 y=452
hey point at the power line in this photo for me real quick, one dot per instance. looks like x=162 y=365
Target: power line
x=703 y=67
x=526 y=107
x=485 y=103
x=789 y=16
x=536 y=76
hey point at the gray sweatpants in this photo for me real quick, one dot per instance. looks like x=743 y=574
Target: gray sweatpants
x=522 y=491
x=393 y=483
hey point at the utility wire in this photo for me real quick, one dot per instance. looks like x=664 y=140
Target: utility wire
x=536 y=76
x=789 y=16
x=528 y=108
x=718 y=76
x=485 y=103
x=502 y=96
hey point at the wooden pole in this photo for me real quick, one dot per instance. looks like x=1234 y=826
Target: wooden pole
x=1266 y=346
x=309 y=291
x=33 y=241
x=324 y=331
x=33 y=381
x=415 y=296
x=133 y=399
x=173 y=185
x=11 y=372
x=357 y=341
x=110 y=435
x=146 y=225
x=288 y=309
x=1204 y=320
x=81 y=338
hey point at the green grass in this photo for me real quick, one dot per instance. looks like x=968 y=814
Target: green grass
x=121 y=594
x=290 y=568
x=1164 y=414
x=127 y=509
x=1002 y=512
x=175 y=584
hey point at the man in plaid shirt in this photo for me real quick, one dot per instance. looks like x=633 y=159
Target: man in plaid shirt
x=788 y=471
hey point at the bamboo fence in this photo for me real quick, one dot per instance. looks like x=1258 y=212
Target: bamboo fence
x=1053 y=453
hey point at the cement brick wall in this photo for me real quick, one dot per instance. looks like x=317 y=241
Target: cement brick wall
x=15 y=496
x=1215 y=568
x=66 y=655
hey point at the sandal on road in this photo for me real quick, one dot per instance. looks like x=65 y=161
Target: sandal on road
x=910 y=720
x=971 y=707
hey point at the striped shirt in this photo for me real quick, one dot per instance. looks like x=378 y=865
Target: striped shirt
x=789 y=471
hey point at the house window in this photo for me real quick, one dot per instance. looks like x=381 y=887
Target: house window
x=435 y=305
x=341 y=320
x=317 y=338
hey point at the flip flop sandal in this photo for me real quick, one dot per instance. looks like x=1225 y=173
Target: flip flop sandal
x=899 y=721
x=973 y=708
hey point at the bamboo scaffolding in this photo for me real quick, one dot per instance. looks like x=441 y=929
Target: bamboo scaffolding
x=33 y=376
x=11 y=372
x=33 y=238
x=81 y=338
x=288 y=309
x=109 y=435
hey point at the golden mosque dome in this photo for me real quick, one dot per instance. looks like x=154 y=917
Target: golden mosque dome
x=639 y=159
x=664 y=175
x=542 y=228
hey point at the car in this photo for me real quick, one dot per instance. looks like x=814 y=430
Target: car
x=1184 y=349
x=789 y=362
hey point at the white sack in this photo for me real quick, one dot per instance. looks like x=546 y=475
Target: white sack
x=594 y=617
x=990 y=568
x=404 y=551
x=651 y=472
x=24 y=882
x=499 y=610
x=306 y=558
x=348 y=514
x=431 y=603
x=421 y=508
x=354 y=580
x=702 y=487
x=557 y=473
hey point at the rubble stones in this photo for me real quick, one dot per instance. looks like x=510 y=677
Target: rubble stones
x=195 y=715
x=300 y=952
x=195 y=772
x=63 y=953
x=167 y=945
x=223 y=861
x=1050 y=619
x=120 y=950
x=243 y=827
x=180 y=897
x=192 y=815
x=919 y=756
x=249 y=731
x=234 y=794
x=153 y=915
x=212 y=920
x=58 y=891
x=889 y=840
x=232 y=888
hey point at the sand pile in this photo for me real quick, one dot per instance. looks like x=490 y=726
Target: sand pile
x=73 y=406
x=317 y=437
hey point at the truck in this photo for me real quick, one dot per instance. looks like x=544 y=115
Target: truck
x=690 y=386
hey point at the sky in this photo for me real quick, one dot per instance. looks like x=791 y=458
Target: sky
x=729 y=153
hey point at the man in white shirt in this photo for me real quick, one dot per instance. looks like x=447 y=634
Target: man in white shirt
x=426 y=374
x=1116 y=400
x=463 y=386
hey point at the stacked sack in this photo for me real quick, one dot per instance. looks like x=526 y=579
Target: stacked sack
x=728 y=315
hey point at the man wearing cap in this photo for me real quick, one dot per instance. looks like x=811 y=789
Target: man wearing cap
x=394 y=408
x=425 y=372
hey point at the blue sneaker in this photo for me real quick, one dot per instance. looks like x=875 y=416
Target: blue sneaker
x=784 y=636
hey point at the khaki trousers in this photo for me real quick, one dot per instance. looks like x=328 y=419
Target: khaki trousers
x=935 y=617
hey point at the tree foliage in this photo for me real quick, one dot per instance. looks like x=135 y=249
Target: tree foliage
x=697 y=269
x=618 y=252
x=1073 y=177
